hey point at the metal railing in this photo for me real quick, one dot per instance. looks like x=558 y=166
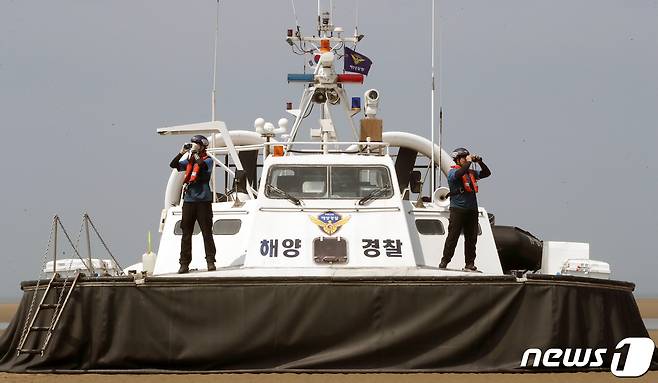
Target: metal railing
x=353 y=147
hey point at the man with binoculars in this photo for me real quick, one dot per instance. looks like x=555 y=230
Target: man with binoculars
x=197 y=200
x=463 y=206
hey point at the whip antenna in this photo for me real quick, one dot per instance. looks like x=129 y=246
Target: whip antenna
x=214 y=66
x=319 y=19
x=432 y=183
x=213 y=101
x=438 y=80
x=356 y=20
x=331 y=15
x=294 y=13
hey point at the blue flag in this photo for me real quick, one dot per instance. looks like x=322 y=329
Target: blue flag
x=356 y=62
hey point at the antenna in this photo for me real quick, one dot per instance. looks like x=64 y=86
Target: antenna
x=331 y=15
x=356 y=20
x=213 y=100
x=319 y=19
x=438 y=81
x=432 y=101
x=214 y=67
x=294 y=13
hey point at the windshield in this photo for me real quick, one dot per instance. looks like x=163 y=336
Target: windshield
x=301 y=182
x=333 y=182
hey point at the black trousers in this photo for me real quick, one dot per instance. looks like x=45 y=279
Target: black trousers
x=193 y=212
x=465 y=220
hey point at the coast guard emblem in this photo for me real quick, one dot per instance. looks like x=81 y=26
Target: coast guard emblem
x=329 y=222
x=357 y=59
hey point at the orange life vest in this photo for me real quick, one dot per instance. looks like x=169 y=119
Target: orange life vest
x=468 y=180
x=192 y=169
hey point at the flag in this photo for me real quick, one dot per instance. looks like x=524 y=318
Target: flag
x=356 y=62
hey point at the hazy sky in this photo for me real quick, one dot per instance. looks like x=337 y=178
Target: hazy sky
x=560 y=97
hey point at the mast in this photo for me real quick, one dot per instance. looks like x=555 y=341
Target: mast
x=324 y=86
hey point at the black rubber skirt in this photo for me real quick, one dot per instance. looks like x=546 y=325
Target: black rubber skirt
x=452 y=324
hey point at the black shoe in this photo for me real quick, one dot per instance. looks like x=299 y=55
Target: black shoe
x=443 y=265
x=184 y=269
x=470 y=268
x=211 y=266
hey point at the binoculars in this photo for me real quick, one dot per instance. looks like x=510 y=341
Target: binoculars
x=192 y=147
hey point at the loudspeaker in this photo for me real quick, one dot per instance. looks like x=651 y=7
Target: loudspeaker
x=440 y=197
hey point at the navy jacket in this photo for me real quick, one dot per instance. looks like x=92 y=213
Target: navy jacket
x=464 y=200
x=198 y=191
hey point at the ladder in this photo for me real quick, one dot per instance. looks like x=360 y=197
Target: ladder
x=50 y=312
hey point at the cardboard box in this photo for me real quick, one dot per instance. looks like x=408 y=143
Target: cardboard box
x=371 y=127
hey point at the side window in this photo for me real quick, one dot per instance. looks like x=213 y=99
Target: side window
x=430 y=227
x=479 y=228
x=179 y=231
x=226 y=226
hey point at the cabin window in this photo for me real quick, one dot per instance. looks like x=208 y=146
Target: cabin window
x=350 y=182
x=302 y=182
x=179 y=231
x=226 y=226
x=430 y=227
x=335 y=182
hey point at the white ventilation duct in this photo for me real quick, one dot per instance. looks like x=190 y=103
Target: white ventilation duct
x=419 y=144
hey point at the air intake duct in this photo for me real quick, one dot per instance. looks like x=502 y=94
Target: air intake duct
x=517 y=248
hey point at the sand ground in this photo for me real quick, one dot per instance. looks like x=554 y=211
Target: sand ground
x=7 y=311
x=648 y=308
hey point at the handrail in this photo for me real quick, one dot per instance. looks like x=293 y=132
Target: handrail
x=239 y=148
x=243 y=148
x=363 y=147
x=320 y=143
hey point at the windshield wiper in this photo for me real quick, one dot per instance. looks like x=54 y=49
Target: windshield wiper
x=285 y=194
x=374 y=194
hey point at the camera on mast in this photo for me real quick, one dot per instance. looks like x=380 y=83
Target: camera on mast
x=325 y=22
x=371 y=97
